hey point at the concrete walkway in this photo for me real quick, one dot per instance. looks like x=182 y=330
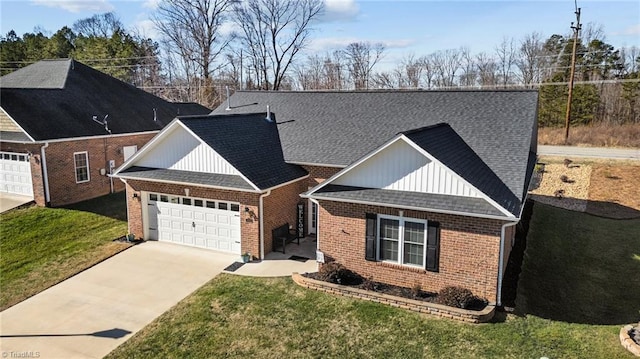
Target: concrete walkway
x=90 y=314
x=10 y=201
x=593 y=152
x=277 y=264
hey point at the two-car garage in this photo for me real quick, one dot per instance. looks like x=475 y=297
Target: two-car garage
x=197 y=222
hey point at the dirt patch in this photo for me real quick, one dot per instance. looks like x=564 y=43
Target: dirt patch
x=615 y=191
x=562 y=186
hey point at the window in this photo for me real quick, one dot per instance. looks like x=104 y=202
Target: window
x=153 y=197
x=198 y=202
x=81 y=161
x=235 y=207
x=211 y=204
x=164 y=198
x=406 y=241
x=186 y=201
x=174 y=199
x=222 y=205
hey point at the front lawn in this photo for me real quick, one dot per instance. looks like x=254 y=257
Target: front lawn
x=242 y=317
x=580 y=272
x=39 y=247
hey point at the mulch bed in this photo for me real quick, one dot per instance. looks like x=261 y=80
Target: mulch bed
x=398 y=291
x=614 y=192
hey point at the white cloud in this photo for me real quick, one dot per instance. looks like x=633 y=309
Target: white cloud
x=76 y=6
x=229 y=27
x=631 y=30
x=151 y=4
x=335 y=43
x=340 y=10
x=147 y=29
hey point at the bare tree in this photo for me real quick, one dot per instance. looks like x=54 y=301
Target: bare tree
x=191 y=31
x=427 y=63
x=361 y=58
x=530 y=60
x=446 y=64
x=274 y=32
x=99 y=25
x=487 y=70
x=469 y=72
x=506 y=56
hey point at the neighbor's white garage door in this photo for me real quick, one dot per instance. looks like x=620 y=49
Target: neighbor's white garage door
x=15 y=176
x=194 y=221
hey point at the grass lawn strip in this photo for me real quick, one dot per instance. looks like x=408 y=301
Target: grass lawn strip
x=42 y=246
x=239 y=317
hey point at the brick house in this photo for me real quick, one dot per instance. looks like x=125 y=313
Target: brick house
x=64 y=126
x=407 y=187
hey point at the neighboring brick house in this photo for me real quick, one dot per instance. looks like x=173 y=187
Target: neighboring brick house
x=406 y=187
x=64 y=126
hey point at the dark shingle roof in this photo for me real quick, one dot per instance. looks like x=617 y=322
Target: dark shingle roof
x=248 y=142
x=417 y=200
x=56 y=99
x=442 y=142
x=208 y=179
x=190 y=108
x=338 y=128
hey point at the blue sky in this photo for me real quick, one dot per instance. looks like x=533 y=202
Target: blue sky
x=406 y=27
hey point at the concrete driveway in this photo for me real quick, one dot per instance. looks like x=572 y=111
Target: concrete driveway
x=10 y=201
x=90 y=314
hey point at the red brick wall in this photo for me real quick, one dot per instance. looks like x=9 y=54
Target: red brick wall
x=509 y=237
x=280 y=207
x=469 y=249
x=319 y=174
x=61 y=170
x=36 y=167
x=249 y=221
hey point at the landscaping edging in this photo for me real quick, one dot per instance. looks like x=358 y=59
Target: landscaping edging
x=469 y=316
x=627 y=342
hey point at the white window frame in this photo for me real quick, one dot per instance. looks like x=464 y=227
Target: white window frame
x=75 y=166
x=401 y=243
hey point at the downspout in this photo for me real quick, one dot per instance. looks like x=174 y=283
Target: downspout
x=45 y=175
x=317 y=228
x=261 y=212
x=127 y=198
x=501 y=261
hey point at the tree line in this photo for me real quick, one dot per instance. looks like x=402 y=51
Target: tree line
x=206 y=45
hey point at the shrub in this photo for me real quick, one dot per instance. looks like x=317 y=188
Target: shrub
x=335 y=272
x=458 y=297
x=416 y=290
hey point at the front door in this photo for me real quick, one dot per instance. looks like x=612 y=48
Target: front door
x=313 y=218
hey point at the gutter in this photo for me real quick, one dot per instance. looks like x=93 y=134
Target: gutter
x=45 y=176
x=501 y=259
x=261 y=212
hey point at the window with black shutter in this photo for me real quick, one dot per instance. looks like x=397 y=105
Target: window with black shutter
x=433 y=246
x=370 y=240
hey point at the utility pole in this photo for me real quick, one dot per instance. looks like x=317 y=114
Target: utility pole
x=576 y=31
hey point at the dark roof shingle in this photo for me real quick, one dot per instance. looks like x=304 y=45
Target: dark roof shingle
x=207 y=179
x=56 y=99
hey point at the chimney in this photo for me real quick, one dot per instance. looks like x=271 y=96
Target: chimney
x=228 y=100
x=268 y=114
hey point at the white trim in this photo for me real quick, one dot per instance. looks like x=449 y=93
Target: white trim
x=314 y=164
x=17 y=125
x=183 y=183
x=423 y=209
x=421 y=151
x=75 y=167
x=401 y=219
x=317 y=230
x=99 y=136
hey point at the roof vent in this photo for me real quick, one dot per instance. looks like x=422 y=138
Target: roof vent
x=268 y=115
x=155 y=115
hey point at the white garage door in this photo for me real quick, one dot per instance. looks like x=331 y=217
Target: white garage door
x=194 y=221
x=15 y=176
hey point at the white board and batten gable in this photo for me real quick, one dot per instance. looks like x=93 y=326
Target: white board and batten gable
x=179 y=149
x=401 y=166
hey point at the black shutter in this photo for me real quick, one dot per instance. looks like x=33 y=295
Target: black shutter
x=370 y=239
x=433 y=246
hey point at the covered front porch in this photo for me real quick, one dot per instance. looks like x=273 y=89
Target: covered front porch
x=300 y=258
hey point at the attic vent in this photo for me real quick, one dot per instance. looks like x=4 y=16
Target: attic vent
x=268 y=114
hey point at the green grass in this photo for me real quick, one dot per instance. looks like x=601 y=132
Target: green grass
x=580 y=268
x=39 y=247
x=241 y=317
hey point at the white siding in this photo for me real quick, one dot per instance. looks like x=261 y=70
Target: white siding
x=401 y=167
x=180 y=150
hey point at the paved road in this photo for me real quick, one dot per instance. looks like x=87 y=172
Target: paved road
x=594 y=152
x=90 y=314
